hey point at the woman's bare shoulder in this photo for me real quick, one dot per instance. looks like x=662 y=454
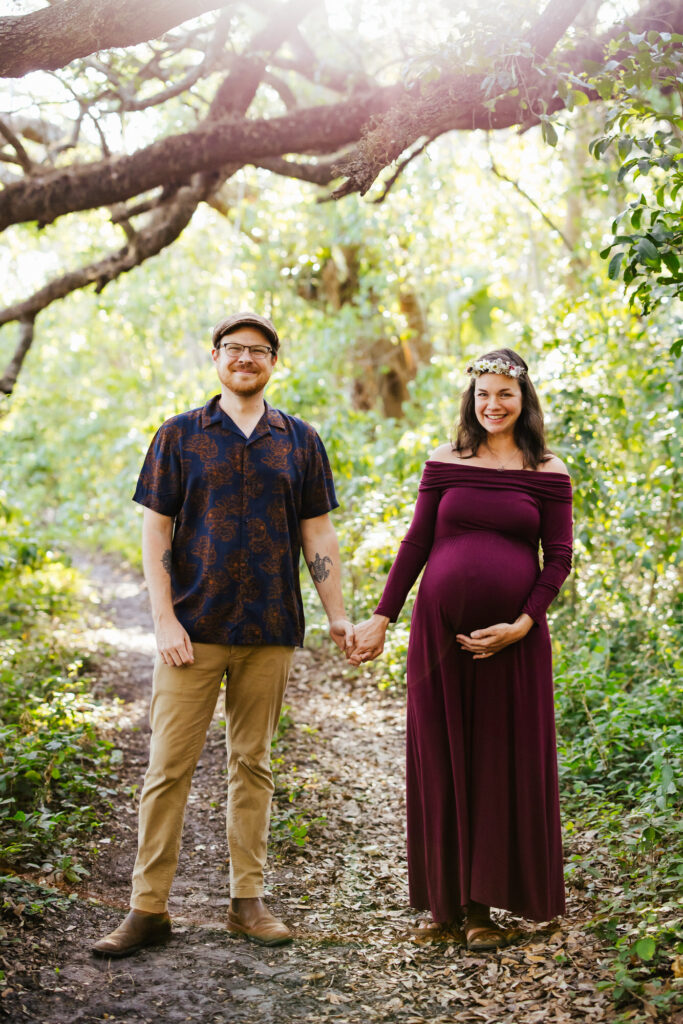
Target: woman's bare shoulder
x=553 y=465
x=445 y=453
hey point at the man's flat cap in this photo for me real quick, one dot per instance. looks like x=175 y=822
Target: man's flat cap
x=231 y=323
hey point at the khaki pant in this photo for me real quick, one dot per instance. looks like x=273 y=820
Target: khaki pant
x=183 y=703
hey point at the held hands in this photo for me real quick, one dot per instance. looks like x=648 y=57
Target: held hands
x=343 y=633
x=482 y=643
x=369 y=640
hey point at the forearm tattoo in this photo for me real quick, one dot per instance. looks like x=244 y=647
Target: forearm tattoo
x=318 y=567
x=166 y=561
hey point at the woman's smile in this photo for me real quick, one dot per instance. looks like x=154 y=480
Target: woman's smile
x=497 y=402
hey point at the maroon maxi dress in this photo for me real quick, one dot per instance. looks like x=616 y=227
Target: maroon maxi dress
x=482 y=793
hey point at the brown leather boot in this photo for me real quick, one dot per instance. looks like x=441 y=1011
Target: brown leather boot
x=256 y=923
x=138 y=930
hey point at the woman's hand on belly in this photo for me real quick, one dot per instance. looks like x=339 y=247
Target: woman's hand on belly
x=482 y=643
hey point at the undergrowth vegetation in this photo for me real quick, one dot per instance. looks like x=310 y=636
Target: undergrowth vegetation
x=620 y=725
x=56 y=764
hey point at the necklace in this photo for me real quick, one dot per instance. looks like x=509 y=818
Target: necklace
x=501 y=467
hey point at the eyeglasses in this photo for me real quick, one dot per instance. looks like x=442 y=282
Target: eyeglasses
x=233 y=350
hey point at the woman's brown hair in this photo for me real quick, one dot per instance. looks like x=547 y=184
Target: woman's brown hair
x=529 y=432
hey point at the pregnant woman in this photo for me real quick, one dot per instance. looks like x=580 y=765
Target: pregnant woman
x=482 y=794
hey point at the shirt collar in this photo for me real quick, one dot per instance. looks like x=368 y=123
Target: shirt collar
x=212 y=413
x=275 y=418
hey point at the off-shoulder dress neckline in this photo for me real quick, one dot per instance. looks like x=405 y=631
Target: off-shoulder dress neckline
x=494 y=469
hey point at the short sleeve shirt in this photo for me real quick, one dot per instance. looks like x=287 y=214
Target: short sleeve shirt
x=236 y=504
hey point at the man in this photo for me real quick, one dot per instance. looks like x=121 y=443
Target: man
x=231 y=493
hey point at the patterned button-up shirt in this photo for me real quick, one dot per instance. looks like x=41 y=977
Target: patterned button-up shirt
x=236 y=504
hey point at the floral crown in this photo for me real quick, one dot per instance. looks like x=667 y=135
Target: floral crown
x=479 y=366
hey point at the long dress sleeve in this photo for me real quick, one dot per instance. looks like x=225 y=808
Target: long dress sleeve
x=556 y=544
x=412 y=554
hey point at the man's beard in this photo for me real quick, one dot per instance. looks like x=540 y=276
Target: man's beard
x=246 y=390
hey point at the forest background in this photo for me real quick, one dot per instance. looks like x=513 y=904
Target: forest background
x=560 y=240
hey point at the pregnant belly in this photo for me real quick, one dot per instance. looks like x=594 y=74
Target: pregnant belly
x=478 y=579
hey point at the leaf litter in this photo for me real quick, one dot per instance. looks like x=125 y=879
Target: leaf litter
x=337 y=874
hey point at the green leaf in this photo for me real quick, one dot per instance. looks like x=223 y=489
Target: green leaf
x=601 y=146
x=667 y=785
x=624 y=169
x=647 y=250
x=625 y=146
x=671 y=261
x=615 y=266
x=676 y=348
x=645 y=948
x=549 y=133
x=605 y=87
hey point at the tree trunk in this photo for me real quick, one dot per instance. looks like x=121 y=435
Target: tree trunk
x=388 y=365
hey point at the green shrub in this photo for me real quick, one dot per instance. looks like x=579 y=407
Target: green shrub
x=56 y=766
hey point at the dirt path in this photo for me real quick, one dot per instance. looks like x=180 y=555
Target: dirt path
x=344 y=891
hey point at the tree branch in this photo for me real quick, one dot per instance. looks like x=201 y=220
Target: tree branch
x=390 y=182
x=9 y=378
x=22 y=156
x=287 y=95
x=163 y=229
x=549 y=28
x=170 y=216
x=459 y=102
x=525 y=195
x=323 y=74
x=209 y=146
x=54 y=36
x=321 y=173
x=124 y=213
x=198 y=71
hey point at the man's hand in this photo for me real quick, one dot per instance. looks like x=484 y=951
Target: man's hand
x=343 y=633
x=370 y=637
x=482 y=643
x=173 y=643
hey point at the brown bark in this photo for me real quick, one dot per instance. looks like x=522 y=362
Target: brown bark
x=387 y=366
x=189 y=167
x=401 y=119
x=56 y=35
x=164 y=228
x=11 y=374
x=168 y=218
x=458 y=102
x=321 y=173
x=211 y=145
